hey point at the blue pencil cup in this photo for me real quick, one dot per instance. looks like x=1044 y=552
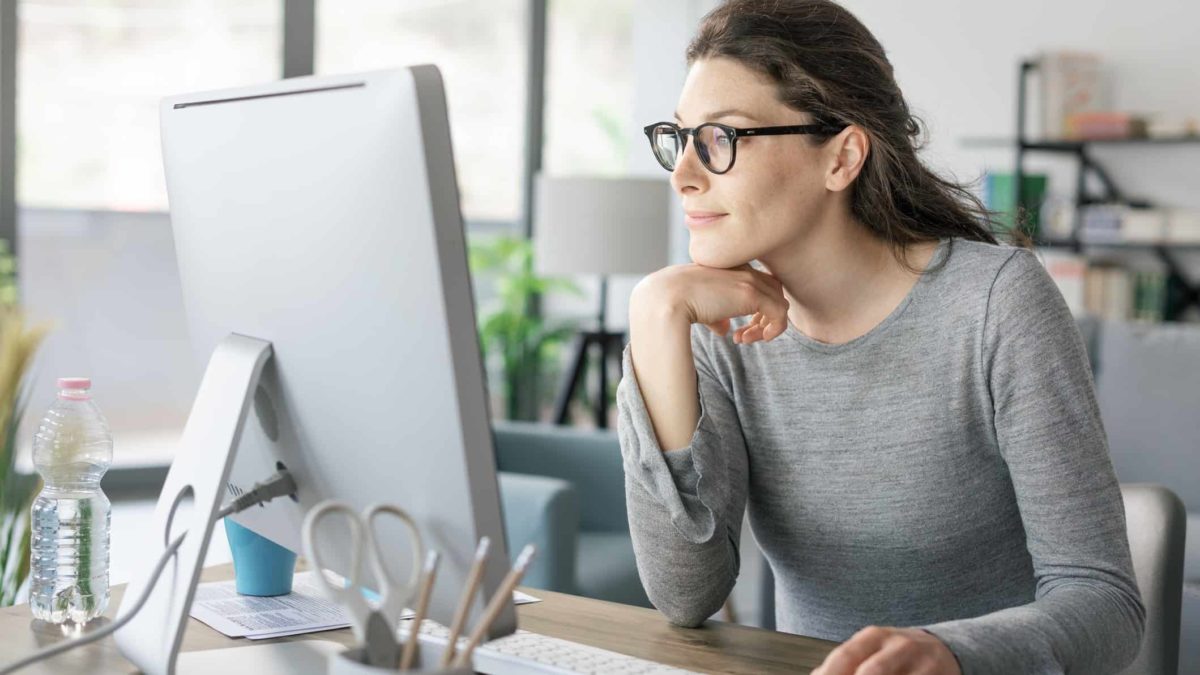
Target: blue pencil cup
x=260 y=566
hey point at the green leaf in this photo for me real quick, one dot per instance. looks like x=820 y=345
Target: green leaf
x=524 y=343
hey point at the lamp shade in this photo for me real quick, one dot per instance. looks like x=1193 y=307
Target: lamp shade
x=593 y=225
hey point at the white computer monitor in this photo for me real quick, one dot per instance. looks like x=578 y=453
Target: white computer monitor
x=321 y=215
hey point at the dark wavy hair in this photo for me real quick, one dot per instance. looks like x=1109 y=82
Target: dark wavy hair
x=826 y=63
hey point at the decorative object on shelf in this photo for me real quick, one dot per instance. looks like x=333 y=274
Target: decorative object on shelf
x=1105 y=125
x=601 y=226
x=1183 y=226
x=1172 y=126
x=18 y=344
x=526 y=344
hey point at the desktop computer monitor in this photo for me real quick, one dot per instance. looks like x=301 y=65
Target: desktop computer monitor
x=322 y=214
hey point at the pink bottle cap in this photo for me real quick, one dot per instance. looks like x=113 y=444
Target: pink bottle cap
x=75 y=387
x=74 y=383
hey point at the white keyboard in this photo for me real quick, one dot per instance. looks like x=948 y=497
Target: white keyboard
x=525 y=653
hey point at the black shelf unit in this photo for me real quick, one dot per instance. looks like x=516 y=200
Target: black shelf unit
x=1182 y=292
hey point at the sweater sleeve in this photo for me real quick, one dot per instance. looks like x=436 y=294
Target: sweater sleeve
x=1087 y=615
x=686 y=505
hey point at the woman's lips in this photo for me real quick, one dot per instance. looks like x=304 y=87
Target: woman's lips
x=702 y=218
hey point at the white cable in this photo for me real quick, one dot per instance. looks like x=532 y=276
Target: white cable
x=279 y=484
x=61 y=647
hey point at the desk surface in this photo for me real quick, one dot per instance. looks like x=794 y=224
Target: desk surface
x=644 y=633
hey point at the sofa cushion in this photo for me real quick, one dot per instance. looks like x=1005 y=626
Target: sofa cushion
x=608 y=570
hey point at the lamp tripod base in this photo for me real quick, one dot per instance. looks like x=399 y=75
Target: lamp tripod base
x=609 y=344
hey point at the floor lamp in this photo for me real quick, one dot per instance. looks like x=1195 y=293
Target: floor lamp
x=601 y=226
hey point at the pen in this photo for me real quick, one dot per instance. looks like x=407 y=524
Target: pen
x=410 y=647
x=464 y=603
x=502 y=597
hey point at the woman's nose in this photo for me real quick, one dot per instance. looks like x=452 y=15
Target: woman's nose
x=689 y=173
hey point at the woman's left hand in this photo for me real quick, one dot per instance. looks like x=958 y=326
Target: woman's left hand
x=877 y=650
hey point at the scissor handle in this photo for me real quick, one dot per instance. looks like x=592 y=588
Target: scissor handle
x=349 y=596
x=392 y=600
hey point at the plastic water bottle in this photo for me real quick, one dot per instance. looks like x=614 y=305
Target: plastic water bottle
x=69 y=548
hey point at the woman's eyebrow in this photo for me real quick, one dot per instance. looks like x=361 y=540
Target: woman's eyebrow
x=722 y=113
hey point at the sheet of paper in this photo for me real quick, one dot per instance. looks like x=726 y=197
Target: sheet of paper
x=304 y=610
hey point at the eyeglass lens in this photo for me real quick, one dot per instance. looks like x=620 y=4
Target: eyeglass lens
x=714 y=145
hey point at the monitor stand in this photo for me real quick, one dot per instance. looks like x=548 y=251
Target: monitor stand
x=189 y=502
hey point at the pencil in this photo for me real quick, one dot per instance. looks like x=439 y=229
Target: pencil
x=464 y=603
x=410 y=647
x=502 y=598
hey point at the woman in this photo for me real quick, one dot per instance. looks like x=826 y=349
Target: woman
x=903 y=405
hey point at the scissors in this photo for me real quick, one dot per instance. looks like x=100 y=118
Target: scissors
x=373 y=623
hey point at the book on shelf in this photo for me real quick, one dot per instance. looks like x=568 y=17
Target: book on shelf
x=1069 y=271
x=1072 y=82
x=1105 y=289
x=1121 y=223
x=1000 y=195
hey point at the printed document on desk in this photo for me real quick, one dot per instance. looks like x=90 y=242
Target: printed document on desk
x=304 y=610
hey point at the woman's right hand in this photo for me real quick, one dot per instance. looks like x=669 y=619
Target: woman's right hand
x=712 y=296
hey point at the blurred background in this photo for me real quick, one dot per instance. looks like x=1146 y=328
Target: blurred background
x=1106 y=166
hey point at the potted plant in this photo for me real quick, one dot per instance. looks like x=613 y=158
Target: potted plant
x=525 y=344
x=18 y=343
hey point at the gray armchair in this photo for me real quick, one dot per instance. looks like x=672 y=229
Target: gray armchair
x=1148 y=387
x=596 y=559
x=1154 y=517
x=544 y=512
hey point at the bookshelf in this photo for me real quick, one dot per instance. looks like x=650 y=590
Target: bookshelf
x=1183 y=292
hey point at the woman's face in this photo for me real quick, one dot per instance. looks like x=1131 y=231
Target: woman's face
x=776 y=188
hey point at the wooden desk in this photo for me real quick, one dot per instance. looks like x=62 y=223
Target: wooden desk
x=644 y=633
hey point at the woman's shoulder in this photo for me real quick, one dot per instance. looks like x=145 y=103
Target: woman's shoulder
x=973 y=271
x=1004 y=269
x=983 y=260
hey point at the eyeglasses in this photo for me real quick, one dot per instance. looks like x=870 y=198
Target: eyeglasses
x=716 y=144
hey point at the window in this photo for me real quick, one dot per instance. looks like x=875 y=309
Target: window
x=589 y=87
x=481 y=48
x=91 y=74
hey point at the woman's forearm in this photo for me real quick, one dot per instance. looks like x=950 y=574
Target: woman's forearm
x=661 y=351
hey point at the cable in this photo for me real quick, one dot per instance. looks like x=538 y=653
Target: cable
x=61 y=647
x=279 y=484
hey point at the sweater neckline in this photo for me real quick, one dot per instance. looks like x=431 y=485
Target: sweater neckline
x=936 y=259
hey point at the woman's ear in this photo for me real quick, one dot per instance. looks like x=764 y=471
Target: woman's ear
x=847 y=154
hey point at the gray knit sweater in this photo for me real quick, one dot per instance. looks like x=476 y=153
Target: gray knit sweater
x=948 y=470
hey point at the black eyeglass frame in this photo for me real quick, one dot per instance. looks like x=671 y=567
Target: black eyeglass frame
x=734 y=133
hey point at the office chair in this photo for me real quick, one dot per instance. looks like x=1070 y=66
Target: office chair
x=1156 y=521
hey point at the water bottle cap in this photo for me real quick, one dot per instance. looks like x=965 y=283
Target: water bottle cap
x=74 y=383
x=75 y=387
